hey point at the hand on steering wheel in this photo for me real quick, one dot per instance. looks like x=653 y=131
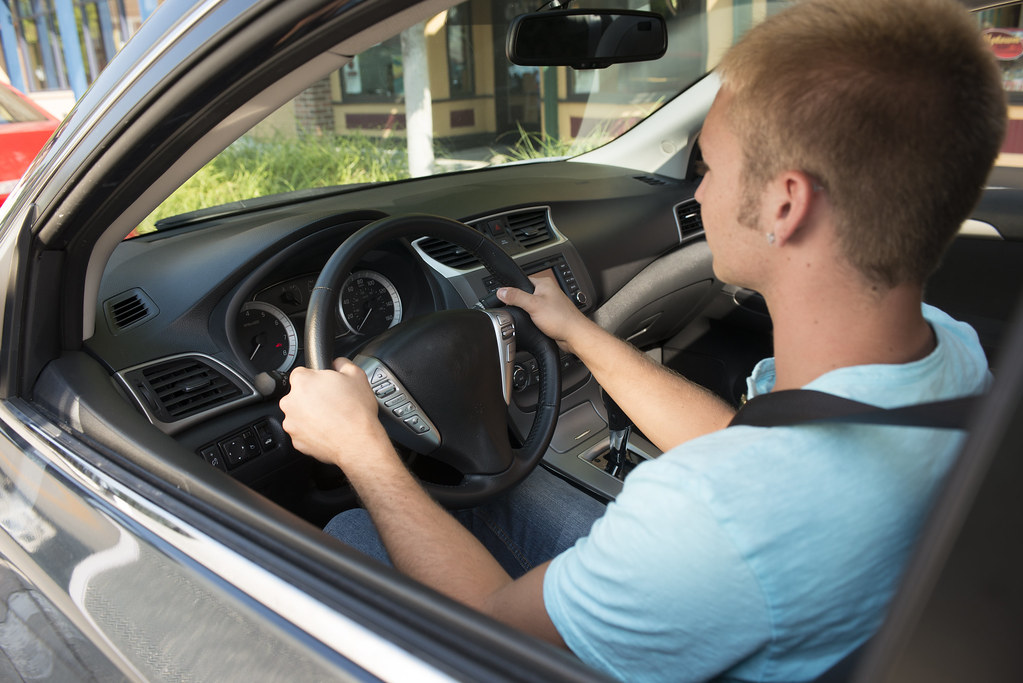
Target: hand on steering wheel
x=441 y=379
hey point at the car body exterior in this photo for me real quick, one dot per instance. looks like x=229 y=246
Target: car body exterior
x=145 y=541
x=24 y=129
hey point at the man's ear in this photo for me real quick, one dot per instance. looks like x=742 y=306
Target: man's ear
x=787 y=204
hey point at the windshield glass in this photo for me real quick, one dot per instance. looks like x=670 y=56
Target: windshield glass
x=443 y=97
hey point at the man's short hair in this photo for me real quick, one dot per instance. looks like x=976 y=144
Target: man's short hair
x=895 y=107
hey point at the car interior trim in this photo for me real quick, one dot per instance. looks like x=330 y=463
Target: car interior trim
x=646 y=149
x=976 y=228
x=688 y=220
x=450 y=272
x=249 y=393
x=504 y=330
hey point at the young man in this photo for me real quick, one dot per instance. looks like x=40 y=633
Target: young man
x=856 y=137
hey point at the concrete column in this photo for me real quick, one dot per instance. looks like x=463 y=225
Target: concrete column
x=418 y=100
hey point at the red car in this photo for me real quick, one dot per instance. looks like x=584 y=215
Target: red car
x=24 y=128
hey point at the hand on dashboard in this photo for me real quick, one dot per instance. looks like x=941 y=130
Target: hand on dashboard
x=551 y=310
x=332 y=414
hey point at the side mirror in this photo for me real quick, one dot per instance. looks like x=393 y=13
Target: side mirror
x=586 y=39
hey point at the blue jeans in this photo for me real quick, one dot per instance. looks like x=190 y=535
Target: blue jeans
x=522 y=528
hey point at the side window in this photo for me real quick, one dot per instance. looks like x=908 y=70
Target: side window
x=1003 y=29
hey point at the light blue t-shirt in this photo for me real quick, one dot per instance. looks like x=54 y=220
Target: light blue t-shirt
x=764 y=554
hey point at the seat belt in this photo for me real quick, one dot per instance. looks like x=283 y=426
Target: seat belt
x=800 y=406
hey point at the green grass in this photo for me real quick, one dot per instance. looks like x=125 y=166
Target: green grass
x=532 y=145
x=254 y=167
x=257 y=168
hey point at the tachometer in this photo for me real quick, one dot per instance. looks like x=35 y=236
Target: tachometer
x=369 y=303
x=267 y=336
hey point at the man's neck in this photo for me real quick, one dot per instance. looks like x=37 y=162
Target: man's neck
x=820 y=330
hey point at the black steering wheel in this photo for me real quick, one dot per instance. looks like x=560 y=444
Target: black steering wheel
x=443 y=380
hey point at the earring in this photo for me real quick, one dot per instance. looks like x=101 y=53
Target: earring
x=770 y=238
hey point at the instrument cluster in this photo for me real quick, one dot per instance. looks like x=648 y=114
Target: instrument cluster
x=269 y=327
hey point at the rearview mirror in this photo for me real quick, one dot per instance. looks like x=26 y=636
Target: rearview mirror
x=586 y=39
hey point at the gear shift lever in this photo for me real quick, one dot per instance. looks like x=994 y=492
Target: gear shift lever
x=620 y=426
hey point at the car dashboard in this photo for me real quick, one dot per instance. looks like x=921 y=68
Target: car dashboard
x=200 y=324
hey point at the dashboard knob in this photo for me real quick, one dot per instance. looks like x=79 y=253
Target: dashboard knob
x=581 y=298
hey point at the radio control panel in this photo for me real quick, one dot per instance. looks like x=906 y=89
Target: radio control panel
x=556 y=268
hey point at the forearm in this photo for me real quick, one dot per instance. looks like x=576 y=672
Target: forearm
x=424 y=540
x=428 y=544
x=665 y=406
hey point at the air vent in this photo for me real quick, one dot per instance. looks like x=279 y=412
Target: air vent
x=183 y=387
x=689 y=220
x=129 y=309
x=530 y=228
x=515 y=232
x=448 y=253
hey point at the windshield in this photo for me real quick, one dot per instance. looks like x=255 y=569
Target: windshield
x=443 y=97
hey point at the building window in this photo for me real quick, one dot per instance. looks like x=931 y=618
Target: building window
x=375 y=75
x=1003 y=29
x=460 y=52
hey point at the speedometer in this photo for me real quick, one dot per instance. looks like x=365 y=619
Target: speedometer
x=267 y=336
x=369 y=303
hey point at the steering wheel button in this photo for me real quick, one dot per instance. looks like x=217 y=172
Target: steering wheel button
x=385 y=389
x=416 y=424
x=395 y=400
x=403 y=410
x=378 y=375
